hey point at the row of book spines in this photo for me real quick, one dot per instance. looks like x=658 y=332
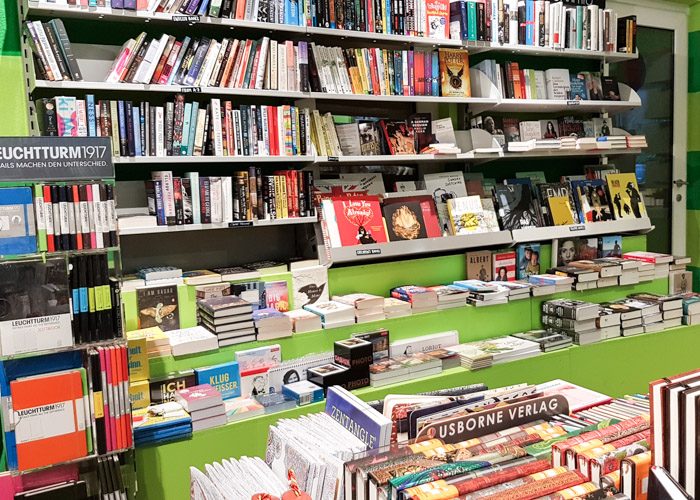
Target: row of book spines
x=75 y=217
x=95 y=299
x=50 y=43
x=109 y=369
x=179 y=128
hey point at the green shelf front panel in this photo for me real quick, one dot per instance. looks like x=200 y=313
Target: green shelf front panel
x=616 y=367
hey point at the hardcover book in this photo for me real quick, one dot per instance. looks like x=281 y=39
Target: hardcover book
x=158 y=306
x=310 y=285
x=561 y=190
x=591 y=200
x=479 y=265
x=625 y=197
x=516 y=207
x=359 y=220
x=560 y=210
x=370 y=426
x=443 y=187
x=454 y=72
x=225 y=378
x=276 y=295
x=404 y=220
x=528 y=260
x=399 y=137
x=467 y=216
x=504 y=266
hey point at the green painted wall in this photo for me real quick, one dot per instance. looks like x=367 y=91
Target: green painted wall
x=14 y=117
x=693 y=196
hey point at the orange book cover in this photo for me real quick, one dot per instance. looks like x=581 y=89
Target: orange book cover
x=454 y=73
x=634 y=472
x=419 y=72
x=49 y=418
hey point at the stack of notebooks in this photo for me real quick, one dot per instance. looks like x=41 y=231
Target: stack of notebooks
x=333 y=314
x=421 y=299
x=304 y=321
x=161 y=423
x=367 y=307
x=450 y=296
x=482 y=293
x=157 y=342
x=186 y=341
x=271 y=324
x=229 y=317
x=204 y=404
x=395 y=308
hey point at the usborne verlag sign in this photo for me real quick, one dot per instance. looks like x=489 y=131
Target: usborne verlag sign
x=55 y=158
x=463 y=427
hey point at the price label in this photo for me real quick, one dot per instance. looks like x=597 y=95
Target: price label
x=333 y=158
x=191 y=90
x=573 y=102
x=369 y=251
x=240 y=223
x=577 y=228
x=186 y=19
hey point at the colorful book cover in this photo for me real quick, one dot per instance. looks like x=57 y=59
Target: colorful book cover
x=560 y=210
x=163 y=389
x=442 y=187
x=139 y=394
x=359 y=220
x=504 y=266
x=48 y=419
x=224 y=377
x=591 y=200
x=610 y=246
x=399 y=137
x=528 y=256
x=454 y=73
x=479 y=265
x=556 y=189
x=626 y=199
x=158 y=306
x=404 y=220
x=421 y=125
x=438 y=20
x=276 y=295
x=466 y=215
x=159 y=416
x=428 y=211
x=366 y=424
x=138 y=359
x=17 y=222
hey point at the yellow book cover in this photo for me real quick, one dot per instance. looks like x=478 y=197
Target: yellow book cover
x=139 y=394
x=138 y=359
x=454 y=73
x=154 y=336
x=560 y=210
x=364 y=75
x=625 y=197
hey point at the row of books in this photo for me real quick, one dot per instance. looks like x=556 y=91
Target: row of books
x=52 y=50
x=514 y=82
x=51 y=218
x=247 y=196
x=35 y=391
x=179 y=128
x=506 y=22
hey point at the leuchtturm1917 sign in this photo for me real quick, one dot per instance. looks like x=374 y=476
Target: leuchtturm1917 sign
x=55 y=158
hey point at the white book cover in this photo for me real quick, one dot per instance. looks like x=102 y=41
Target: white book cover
x=274 y=79
x=558 y=83
x=309 y=285
x=442 y=187
x=191 y=340
x=216 y=200
x=199 y=133
x=282 y=67
x=46 y=48
x=155 y=58
x=321 y=75
x=265 y=131
x=216 y=127
x=346 y=75
x=97 y=210
x=160 y=139
x=262 y=63
x=227 y=198
x=530 y=130
x=166 y=178
x=444 y=131
x=82 y=117
x=331 y=82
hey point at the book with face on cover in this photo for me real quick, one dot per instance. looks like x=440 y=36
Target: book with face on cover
x=516 y=207
x=358 y=220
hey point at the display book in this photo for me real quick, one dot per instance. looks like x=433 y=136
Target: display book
x=540 y=25
x=507 y=451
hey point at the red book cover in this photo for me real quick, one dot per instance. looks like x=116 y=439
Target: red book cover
x=113 y=443
x=523 y=90
x=48 y=210
x=359 y=220
x=294 y=178
x=504 y=266
x=120 y=387
x=118 y=434
x=517 y=88
x=127 y=413
x=376 y=89
x=480 y=483
x=419 y=72
x=105 y=397
x=543 y=487
x=49 y=418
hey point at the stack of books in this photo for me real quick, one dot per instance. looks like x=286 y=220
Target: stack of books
x=650 y=316
x=367 y=307
x=575 y=318
x=242 y=408
x=229 y=317
x=630 y=317
x=609 y=322
x=560 y=283
x=333 y=313
x=421 y=299
x=395 y=308
x=691 y=308
x=186 y=341
x=304 y=321
x=548 y=341
x=636 y=141
x=271 y=324
x=518 y=289
x=160 y=423
x=157 y=342
x=660 y=261
x=163 y=275
x=482 y=293
x=508 y=348
x=670 y=311
x=472 y=358
x=450 y=296
x=204 y=404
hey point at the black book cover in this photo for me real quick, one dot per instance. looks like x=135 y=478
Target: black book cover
x=83 y=315
x=152 y=131
x=123 y=139
x=74 y=280
x=551 y=189
x=186 y=62
x=516 y=207
x=136 y=62
x=102 y=325
x=480 y=22
x=404 y=220
x=611 y=90
x=339 y=6
x=105 y=119
x=62 y=193
x=227 y=8
x=362 y=15
x=207 y=144
x=142 y=128
x=522 y=22
x=129 y=120
x=115 y=294
x=169 y=116
x=55 y=205
x=205 y=200
x=111 y=214
x=227 y=54
x=66 y=49
x=186 y=186
x=259 y=188
x=314 y=80
x=245 y=128
x=104 y=211
x=309 y=184
x=421 y=124
x=178 y=120
x=378 y=19
x=53 y=42
x=177 y=195
x=46 y=116
x=73 y=234
x=158 y=306
x=258 y=128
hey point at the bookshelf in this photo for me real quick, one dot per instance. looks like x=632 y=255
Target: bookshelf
x=227 y=225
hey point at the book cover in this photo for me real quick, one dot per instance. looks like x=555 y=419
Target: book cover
x=560 y=210
x=611 y=90
x=511 y=129
x=454 y=73
x=427 y=208
x=479 y=265
x=370 y=141
x=17 y=222
x=36 y=312
x=558 y=189
x=310 y=285
x=421 y=124
x=399 y=137
x=443 y=187
x=158 y=306
x=368 y=425
x=466 y=215
x=516 y=207
x=138 y=358
x=626 y=199
x=528 y=259
x=225 y=378
x=591 y=200
x=359 y=220
x=404 y=221
x=504 y=268
x=610 y=246
x=276 y=295
x=438 y=19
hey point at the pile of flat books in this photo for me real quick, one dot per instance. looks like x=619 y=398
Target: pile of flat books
x=471 y=357
x=157 y=342
x=548 y=340
x=229 y=317
x=482 y=293
x=395 y=308
x=450 y=296
x=508 y=348
x=691 y=308
x=560 y=283
x=389 y=371
x=367 y=307
x=270 y=324
x=186 y=341
x=422 y=299
x=304 y=321
x=518 y=289
x=661 y=263
x=575 y=318
x=636 y=141
x=333 y=314
x=667 y=311
x=160 y=423
x=204 y=404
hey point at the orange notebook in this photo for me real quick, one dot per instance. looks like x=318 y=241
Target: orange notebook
x=49 y=418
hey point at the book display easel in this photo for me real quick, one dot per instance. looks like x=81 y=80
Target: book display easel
x=63 y=361
x=183 y=126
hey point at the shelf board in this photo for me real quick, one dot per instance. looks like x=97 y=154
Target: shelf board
x=225 y=225
x=382 y=37
x=529 y=234
x=556 y=105
x=68 y=462
x=376 y=159
x=212 y=159
x=74 y=347
x=526 y=50
x=366 y=253
x=483 y=101
x=60 y=253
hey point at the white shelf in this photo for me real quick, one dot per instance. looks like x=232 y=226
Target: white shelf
x=382 y=37
x=363 y=253
x=369 y=159
x=553 y=106
x=225 y=225
x=137 y=160
x=489 y=103
x=641 y=226
x=477 y=47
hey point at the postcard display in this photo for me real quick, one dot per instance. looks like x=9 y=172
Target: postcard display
x=64 y=372
x=178 y=105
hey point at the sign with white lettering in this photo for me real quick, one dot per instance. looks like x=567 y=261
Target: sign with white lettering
x=55 y=158
x=463 y=427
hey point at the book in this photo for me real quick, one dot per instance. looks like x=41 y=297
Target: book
x=443 y=187
x=191 y=340
x=625 y=197
x=18 y=232
x=370 y=426
x=224 y=377
x=504 y=266
x=309 y=285
x=358 y=220
x=479 y=265
x=528 y=260
x=198 y=397
x=516 y=207
x=399 y=137
x=454 y=72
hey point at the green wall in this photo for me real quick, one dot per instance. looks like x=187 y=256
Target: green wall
x=14 y=116
x=693 y=174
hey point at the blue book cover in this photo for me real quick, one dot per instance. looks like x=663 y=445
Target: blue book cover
x=91 y=115
x=578 y=87
x=530 y=23
x=193 y=129
x=388 y=29
x=17 y=226
x=187 y=118
x=203 y=8
x=122 y=127
x=224 y=377
x=136 y=117
x=610 y=246
x=365 y=423
x=197 y=62
x=528 y=260
x=435 y=80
